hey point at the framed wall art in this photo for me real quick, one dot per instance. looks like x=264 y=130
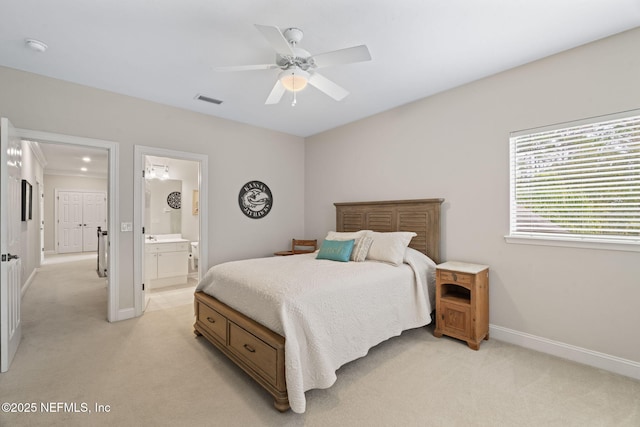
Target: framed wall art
x=174 y=200
x=255 y=199
x=26 y=209
x=195 y=202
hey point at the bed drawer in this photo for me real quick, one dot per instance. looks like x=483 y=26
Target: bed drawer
x=253 y=350
x=213 y=321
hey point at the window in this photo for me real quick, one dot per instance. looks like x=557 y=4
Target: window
x=578 y=182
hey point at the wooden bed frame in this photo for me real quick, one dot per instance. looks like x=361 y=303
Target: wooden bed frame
x=260 y=351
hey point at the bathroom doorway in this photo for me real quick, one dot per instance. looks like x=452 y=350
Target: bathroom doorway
x=168 y=227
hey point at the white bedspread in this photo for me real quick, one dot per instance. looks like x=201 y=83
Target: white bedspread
x=329 y=312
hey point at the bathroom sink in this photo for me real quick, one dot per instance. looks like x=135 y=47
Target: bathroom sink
x=166 y=238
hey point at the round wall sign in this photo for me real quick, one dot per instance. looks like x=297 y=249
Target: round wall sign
x=255 y=199
x=174 y=200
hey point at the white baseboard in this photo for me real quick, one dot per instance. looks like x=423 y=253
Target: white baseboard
x=596 y=359
x=125 y=313
x=26 y=285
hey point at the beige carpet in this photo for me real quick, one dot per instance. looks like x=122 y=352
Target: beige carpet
x=153 y=371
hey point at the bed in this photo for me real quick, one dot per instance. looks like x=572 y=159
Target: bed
x=331 y=312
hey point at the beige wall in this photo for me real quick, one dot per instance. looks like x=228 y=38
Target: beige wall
x=237 y=153
x=455 y=145
x=30 y=229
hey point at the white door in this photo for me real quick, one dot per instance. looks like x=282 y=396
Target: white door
x=10 y=195
x=150 y=269
x=94 y=215
x=69 y=222
x=150 y=264
x=41 y=219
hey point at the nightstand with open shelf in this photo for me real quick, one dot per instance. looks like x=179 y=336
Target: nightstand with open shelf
x=462 y=302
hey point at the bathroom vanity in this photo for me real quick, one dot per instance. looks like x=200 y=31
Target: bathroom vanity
x=166 y=261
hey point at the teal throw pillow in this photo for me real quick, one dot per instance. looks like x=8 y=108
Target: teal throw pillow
x=336 y=250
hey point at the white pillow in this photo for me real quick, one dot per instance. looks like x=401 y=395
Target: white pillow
x=360 y=246
x=339 y=235
x=390 y=247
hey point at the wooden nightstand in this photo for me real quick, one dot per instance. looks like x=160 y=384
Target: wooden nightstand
x=283 y=253
x=299 y=246
x=462 y=302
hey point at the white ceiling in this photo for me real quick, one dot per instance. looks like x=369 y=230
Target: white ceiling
x=68 y=160
x=165 y=50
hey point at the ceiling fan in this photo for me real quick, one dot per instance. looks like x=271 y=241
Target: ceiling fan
x=299 y=66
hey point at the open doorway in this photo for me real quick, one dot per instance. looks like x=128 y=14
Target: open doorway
x=74 y=197
x=56 y=152
x=168 y=223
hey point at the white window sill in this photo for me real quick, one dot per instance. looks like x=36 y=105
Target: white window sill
x=620 y=245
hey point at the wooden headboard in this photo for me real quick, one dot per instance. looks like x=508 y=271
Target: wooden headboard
x=421 y=216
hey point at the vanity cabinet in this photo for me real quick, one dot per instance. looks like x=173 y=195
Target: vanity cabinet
x=166 y=264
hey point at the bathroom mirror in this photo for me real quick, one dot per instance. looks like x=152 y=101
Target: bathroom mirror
x=163 y=208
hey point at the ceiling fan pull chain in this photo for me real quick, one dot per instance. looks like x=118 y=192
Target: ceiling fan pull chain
x=293 y=103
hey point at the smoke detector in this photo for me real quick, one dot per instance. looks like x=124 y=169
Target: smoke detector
x=36 y=45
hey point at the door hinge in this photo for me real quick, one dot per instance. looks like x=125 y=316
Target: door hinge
x=142 y=230
x=143 y=173
x=142 y=284
x=4 y=257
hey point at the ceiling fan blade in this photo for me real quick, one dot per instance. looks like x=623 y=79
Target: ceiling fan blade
x=246 y=67
x=276 y=39
x=276 y=93
x=342 y=56
x=327 y=86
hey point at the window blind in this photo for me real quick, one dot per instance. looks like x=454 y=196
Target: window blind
x=579 y=180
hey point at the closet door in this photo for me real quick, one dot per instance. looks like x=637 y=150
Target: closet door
x=94 y=215
x=80 y=214
x=69 y=222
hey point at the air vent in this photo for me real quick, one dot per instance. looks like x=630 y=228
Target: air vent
x=208 y=99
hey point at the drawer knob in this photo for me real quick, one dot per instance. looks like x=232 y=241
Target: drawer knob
x=249 y=348
x=211 y=320
x=455 y=277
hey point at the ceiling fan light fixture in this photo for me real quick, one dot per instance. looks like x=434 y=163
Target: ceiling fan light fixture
x=294 y=79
